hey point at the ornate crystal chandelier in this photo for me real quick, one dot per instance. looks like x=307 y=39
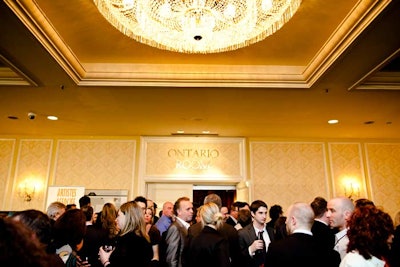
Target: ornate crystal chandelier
x=198 y=26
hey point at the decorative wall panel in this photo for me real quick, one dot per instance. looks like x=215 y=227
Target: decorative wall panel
x=6 y=157
x=347 y=170
x=95 y=164
x=284 y=173
x=192 y=159
x=384 y=172
x=32 y=173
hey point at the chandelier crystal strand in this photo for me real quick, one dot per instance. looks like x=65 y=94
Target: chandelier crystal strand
x=198 y=26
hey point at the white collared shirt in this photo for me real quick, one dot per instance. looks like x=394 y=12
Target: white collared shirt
x=341 y=241
x=185 y=224
x=266 y=238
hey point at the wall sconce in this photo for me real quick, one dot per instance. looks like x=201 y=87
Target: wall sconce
x=352 y=189
x=27 y=189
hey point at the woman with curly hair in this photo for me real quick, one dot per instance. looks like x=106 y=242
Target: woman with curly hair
x=107 y=217
x=370 y=234
x=132 y=246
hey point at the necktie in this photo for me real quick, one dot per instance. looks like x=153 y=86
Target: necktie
x=261 y=252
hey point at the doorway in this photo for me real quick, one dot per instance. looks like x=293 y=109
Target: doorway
x=227 y=194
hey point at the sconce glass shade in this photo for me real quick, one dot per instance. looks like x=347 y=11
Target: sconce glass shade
x=198 y=26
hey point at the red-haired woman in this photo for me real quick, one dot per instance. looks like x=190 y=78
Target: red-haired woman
x=370 y=234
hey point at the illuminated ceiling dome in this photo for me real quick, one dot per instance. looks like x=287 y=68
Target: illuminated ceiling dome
x=198 y=26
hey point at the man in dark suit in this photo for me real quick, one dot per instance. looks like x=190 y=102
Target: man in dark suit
x=175 y=237
x=227 y=231
x=252 y=248
x=233 y=214
x=299 y=248
x=322 y=233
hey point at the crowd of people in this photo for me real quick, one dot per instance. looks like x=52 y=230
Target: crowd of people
x=338 y=232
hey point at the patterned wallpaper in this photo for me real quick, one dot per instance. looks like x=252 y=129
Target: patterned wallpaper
x=6 y=156
x=347 y=170
x=95 y=164
x=383 y=161
x=279 y=172
x=284 y=173
x=32 y=169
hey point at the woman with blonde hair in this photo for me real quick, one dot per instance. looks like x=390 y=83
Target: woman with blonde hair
x=132 y=242
x=209 y=248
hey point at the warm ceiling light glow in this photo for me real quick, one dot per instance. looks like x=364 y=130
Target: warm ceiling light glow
x=180 y=131
x=52 y=118
x=206 y=132
x=333 y=121
x=198 y=26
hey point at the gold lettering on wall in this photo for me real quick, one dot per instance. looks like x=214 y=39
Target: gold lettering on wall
x=193 y=159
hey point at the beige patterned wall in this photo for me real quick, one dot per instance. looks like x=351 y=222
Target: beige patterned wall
x=384 y=172
x=6 y=157
x=95 y=164
x=283 y=173
x=279 y=172
x=347 y=170
x=32 y=169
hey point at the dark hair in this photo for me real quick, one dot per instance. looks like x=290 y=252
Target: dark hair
x=275 y=212
x=319 y=205
x=18 y=248
x=363 y=202
x=236 y=206
x=369 y=230
x=141 y=199
x=70 y=206
x=84 y=201
x=38 y=222
x=244 y=217
x=70 y=228
x=88 y=211
x=256 y=204
x=242 y=204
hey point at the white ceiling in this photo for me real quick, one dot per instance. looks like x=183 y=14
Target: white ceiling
x=62 y=58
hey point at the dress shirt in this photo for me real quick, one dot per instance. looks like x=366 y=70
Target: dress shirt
x=185 y=224
x=163 y=223
x=266 y=238
x=341 y=242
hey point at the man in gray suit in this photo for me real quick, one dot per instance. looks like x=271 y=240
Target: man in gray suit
x=253 y=248
x=175 y=237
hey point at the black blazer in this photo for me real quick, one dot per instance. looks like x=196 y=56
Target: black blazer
x=131 y=248
x=323 y=234
x=230 y=221
x=229 y=233
x=207 y=249
x=247 y=235
x=299 y=249
x=295 y=250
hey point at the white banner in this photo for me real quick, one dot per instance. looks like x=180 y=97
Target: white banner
x=65 y=194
